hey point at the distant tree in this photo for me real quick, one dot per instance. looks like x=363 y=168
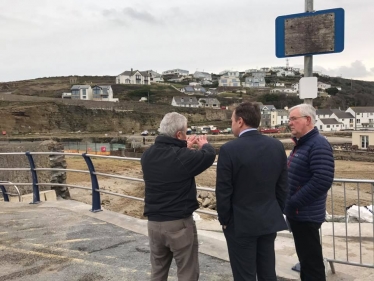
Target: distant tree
x=332 y=91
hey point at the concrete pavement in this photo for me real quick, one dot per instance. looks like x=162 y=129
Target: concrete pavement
x=63 y=240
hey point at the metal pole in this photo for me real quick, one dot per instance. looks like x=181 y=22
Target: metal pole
x=308 y=60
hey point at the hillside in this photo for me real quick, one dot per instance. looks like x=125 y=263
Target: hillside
x=354 y=92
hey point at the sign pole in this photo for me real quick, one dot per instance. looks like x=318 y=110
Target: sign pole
x=308 y=60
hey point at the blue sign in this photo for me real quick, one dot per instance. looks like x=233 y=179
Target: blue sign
x=311 y=33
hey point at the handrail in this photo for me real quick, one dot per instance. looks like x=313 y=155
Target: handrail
x=6 y=198
x=96 y=191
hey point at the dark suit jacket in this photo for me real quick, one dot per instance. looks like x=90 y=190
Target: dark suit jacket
x=252 y=185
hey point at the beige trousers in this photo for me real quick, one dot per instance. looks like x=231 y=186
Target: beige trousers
x=176 y=239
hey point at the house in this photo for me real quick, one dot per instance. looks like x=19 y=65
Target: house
x=177 y=71
x=346 y=118
x=103 y=93
x=295 y=86
x=323 y=113
x=185 y=102
x=194 y=90
x=251 y=70
x=279 y=117
x=277 y=68
x=289 y=73
x=133 y=77
x=323 y=86
x=154 y=76
x=329 y=125
x=230 y=73
x=229 y=81
x=266 y=110
x=257 y=79
x=202 y=75
x=278 y=84
x=283 y=90
x=212 y=92
x=209 y=103
x=363 y=139
x=265 y=69
x=364 y=116
x=81 y=92
x=66 y=96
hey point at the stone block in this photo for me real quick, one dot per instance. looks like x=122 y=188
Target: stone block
x=49 y=195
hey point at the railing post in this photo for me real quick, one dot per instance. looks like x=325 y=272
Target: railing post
x=35 y=187
x=96 y=202
x=5 y=194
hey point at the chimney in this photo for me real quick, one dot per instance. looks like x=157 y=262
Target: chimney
x=131 y=72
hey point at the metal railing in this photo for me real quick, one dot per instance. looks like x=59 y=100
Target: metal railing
x=341 y=233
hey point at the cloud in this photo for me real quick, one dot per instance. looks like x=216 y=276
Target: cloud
x=356 y=70
x=129 y=14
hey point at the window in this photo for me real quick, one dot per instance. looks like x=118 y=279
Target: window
x=350 y=120
x=320 y=127
x=327 y=126
x=84 y=97
x=137 y=77
x=370 y=120
x=364 y=141
x=358 y=121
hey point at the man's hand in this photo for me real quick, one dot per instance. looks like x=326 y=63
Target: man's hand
x=201 y=140
x=191 y=140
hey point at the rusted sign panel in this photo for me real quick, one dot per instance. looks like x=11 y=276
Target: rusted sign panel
x=313 y=34
x=310 y=33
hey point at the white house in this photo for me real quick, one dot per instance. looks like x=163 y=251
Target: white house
x=133 y=77
x=295 y=86
x=81 y=92
x=329 y=125
x=265 y=69
x=193 y=90
x=323 y=113
x=277 y=68
x=364 y=116
x=279 y=117
x=103 y=93
x=209 y=103
x=229 y=81
x=283 y=90
x=66 y=95
x=346 y=118
x=185 y=102
x=154 y=76
x=257 y=79
x=323 y=86
x=202 y=75
x=177 y=71
x=289 y=73
x=251 y=70
x=230 y=73
x=278 y=84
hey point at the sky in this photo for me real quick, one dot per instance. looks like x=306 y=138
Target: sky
x=45 y=38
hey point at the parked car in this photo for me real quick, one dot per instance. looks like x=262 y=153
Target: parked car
x=144 y=133
x=269 y=131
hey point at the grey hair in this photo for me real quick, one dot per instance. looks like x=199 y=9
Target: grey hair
x=172 y=123
x=305 y=110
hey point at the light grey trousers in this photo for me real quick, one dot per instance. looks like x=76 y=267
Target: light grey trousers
x=176 y=239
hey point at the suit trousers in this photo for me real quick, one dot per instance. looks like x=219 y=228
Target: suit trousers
x=251 y=256
x=309 y=250
x=178 y=239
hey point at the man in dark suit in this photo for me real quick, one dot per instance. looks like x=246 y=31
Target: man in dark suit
x=251 y=192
